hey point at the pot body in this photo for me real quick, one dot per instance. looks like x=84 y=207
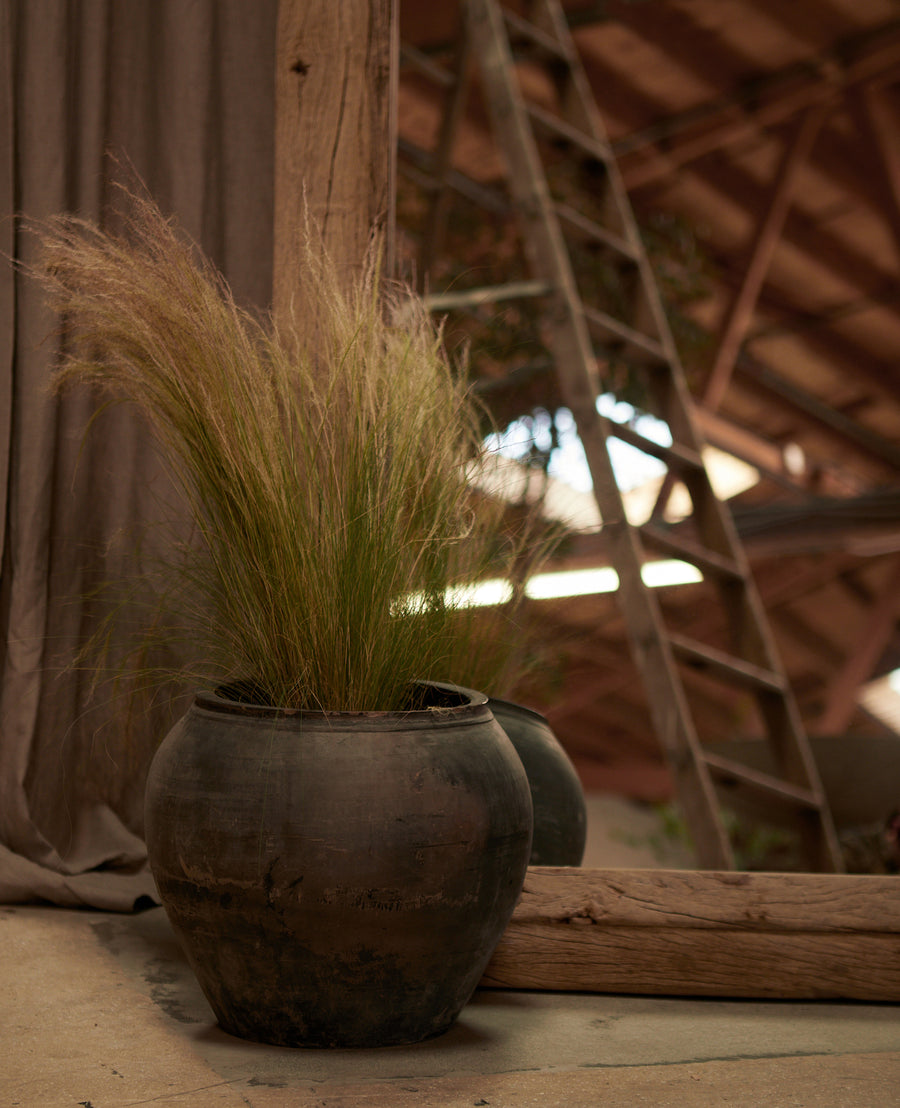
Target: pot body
x=338 y=879
x=560 y=813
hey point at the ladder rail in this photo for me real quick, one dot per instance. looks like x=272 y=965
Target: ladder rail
x=436 y=226
x=752 y=658
x=724 y=540
x=574 y=357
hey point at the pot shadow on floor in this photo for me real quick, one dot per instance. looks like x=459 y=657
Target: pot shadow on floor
x=150 y=952
x=495 y=1033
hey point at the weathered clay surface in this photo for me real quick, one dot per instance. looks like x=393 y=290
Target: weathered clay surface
x=338 y=879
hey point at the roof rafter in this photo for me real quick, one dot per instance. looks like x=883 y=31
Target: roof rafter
x=872 y=107
x=757 y=105
x=766 y=239
x=859 y=665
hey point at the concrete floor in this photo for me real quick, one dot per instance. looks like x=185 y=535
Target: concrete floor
x=101 y=1011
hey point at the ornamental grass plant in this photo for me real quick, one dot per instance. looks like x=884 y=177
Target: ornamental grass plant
x=327 y=485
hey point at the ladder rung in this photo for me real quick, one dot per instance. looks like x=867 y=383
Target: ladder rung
x=490 y=294
x=606 y=325
x=676 y=457
x=520 y=125
x=735 y=670
x=725 y=768
x=589 y=230
x=707 y=561
x=422 y=64
x=423 y=163
x=558 y=128
x=521 y=29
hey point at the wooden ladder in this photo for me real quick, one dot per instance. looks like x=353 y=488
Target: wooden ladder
x=494 y=40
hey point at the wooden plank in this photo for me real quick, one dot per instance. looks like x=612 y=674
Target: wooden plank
x=705 y=899
x=668 y=962
x=674 y=932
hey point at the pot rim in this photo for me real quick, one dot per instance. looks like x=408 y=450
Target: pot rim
x=463 y=705
x=517 y=709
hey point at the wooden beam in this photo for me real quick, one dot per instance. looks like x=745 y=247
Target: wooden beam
x=767 y=236
x=814 y=240
x=759 y=376
x=700 y=933
x=750 y=447
x=859 y=666
x=747 y=445
x=823 y=653
x=860 y=269
x=766 y=103
x=802 y=577
x=884 y=126
x=821 y=244
x=809 y=241
x=798 y=322
x=867 y=538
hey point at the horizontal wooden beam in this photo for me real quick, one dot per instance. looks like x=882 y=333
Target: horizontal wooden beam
x=703 y=933
x=751 y=368
x=754 y=372
x=764 y=103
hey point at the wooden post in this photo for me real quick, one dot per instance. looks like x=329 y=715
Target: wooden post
x=335 y=108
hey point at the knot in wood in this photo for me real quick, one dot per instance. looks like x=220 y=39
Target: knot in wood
x=589 y=912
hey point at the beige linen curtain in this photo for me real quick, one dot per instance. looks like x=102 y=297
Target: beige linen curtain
x=180 y=93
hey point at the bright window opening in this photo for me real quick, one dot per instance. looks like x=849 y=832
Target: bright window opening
x=564 y=583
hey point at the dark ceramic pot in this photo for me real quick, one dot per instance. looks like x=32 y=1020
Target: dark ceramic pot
x=338 y=879
x=560 y=815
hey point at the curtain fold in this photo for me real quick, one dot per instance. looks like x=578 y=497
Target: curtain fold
x=178 y=94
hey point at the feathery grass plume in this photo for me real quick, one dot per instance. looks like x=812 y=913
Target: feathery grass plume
x=328 y=487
